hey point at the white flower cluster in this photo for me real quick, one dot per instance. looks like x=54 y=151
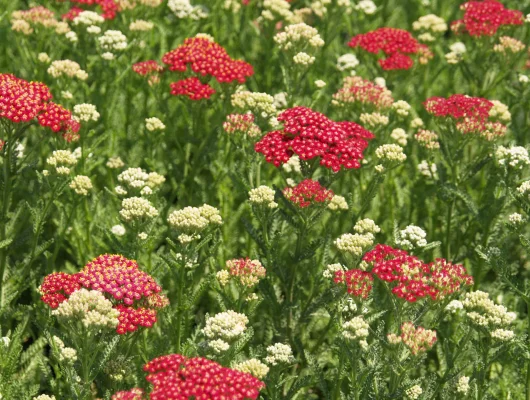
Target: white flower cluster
x=482 y=311
x=44 y=58
x=183 y=9
x=330 y=270
x=500 y=112
x=368 y=7
x=366 y=226
x=524 y=78
x=140 y=25
x=193 y=220
x=401 y=107
x=356 y=329
x=62 y=160
x=428 y=170
x=256 y=102
x=298 y=36
x=118 y=230
x=319 y=83
x=524 y=188
x=293 y=165
x=347 y=62
x=137 y=179
x=223 y=328
x=454 y=306
x=414 y=392
x=515 y=219
x=154 y=124
x=462 y=386
x=85 y=112
x=91 y=306
x=113 y=40
x=137 y=208
x=338 y=203
x=67 y=355
x=277 y=9
x=44 y=397
x=504 y=335
x=354 y=243
x=279 y=353
x=71 y=36
x=81 y=184
x=115 y=162
x=262 y=196
x=411 y=237
x=391 y=153
x=69 y=68
x=374 y=119
x=303 y=58
x=400 y=136
x=89 y=18
x=253 y=367
x=429 y=24
x=514 y=157
x=457 y=52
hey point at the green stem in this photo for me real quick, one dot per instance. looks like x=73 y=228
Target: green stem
x=5 y=208
x=528 y=362
x=447 y=254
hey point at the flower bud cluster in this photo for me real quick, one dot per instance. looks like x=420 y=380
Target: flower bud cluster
x=262 y=196
x=279 y=353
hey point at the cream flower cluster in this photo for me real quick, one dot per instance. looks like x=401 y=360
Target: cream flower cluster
x=414 y=392
x=113 y=40
x=429 y=25
x=184 y=9
x=462 y=386
x=140 y=25
x=303 y=58
x=62 y=160
x=504 y=335
x=293 y=165
x=454 y=306
x=456 y=54
x=368 y=7
x=400 y=136
x=262 y=196
x=44 y=397
x=402 y=108
x=89 y=18
x=515 y=219
x=67 y=355
x=91 y=306
x=137 y=208
x=366 y=226
x=356 y=329
x=508 y=45
x=69 y=68
x=118 y=230
x=223 y=328
x=354 y=243
x=329 y=271
x=347 y=62
x=482 y=311
x=500 y=112
x=253 y=367
x=390 y=153
x=374 y=119
x=115 y=162
x=154 y=124
x=514 y=157
x=279 y=353
x=411 y=237
x=256 y=102
x=428 y=170
x=338 y=203
x=277 y=9
x=81 y=184
x=85 y=112
x=137 y=179
x=524 y=188
x=191 y=221
x=298 y=36
x=427 y=139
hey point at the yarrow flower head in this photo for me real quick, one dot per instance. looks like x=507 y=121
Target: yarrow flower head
x=135 y=295
x=138 y=180
x=470 y=114
x=62 y=160
x=184 y=9
x=308 y=193
x=22 y=101
x=85 y=112
x=390 y=153
x=358 y=283
x=253 y=367
x=309 y=135
x=154 y=124
x=81 y=184
x=137 y=209
x=279 y=353
x=261 y=104
x=515 y=158
x=354 y=243
x=192 y=88
x=223 y=329
x=418 y=340
x=482 y=311
x=297 y=37
x=347 y=62
x=396 y=44
x=364 y=93
x=248 y=272
x=411 y=237
x=484 y=18
x=113 y=40
x=68 y=68
x=356 y=329
x=262 y=196
x=241 y=124
x=191 y=221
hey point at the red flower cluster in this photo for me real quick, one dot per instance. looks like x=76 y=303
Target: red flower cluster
x=193 y=88
x=415 y=279
x=147 y=67
x=395 y=44
x=358 y=283
x=470 y=113
x=307 y=192
x=109 y=8
x=207 y=58
x=175 y=377
x=118 y=277
x=133 y=394
x=22 y=101
x=310 y=134
x=484 y=18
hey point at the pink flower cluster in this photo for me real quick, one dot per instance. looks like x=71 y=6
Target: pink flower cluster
x=310 y=134
x=418 y=340
x=471 y=114
x=175 y=377
x=307 y=193
x=412 y=278
x=396 y=44
x=358 y=90
x=484 y=18
x=22 y=101
x=243 y=123
x=358 y=283
x=134 y=293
